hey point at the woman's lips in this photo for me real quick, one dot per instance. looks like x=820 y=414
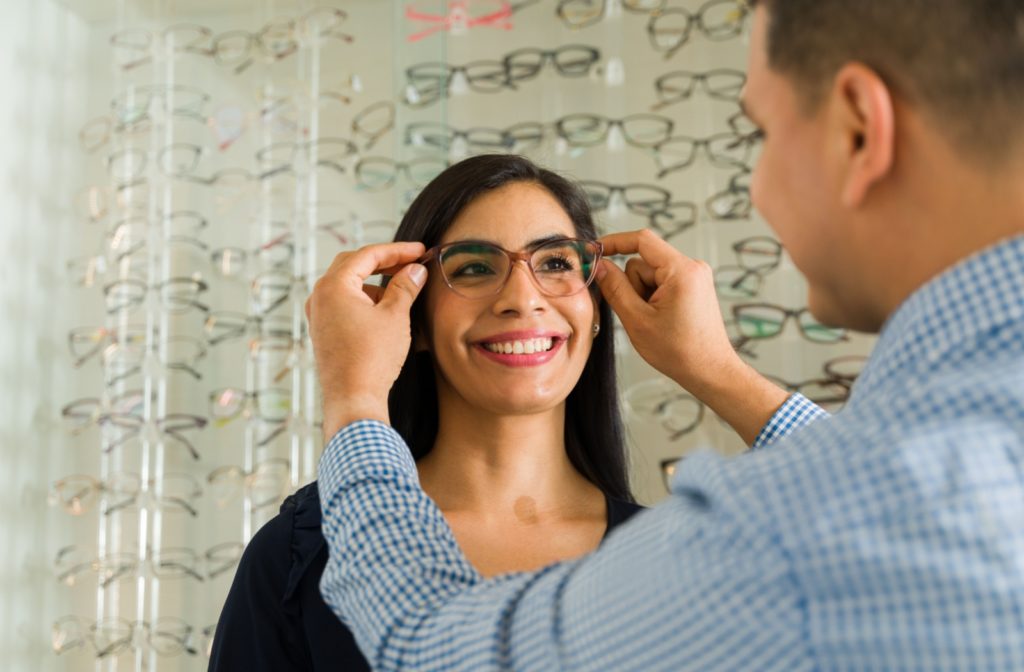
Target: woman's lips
x=524 y=359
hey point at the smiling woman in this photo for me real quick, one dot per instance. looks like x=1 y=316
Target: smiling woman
x=507 y=400
x=510 y=201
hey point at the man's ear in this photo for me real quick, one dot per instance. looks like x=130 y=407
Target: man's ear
x=863 y=128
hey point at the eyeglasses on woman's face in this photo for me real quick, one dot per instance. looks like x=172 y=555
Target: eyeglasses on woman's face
x=478 y=269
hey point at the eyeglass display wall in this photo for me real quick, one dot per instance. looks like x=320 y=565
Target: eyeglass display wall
x=225 y=153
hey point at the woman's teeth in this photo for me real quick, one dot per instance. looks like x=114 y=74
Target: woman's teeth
x=527 y=347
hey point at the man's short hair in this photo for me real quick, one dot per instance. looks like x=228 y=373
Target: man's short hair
x=959 y=61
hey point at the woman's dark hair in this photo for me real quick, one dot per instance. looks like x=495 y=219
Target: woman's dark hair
x=593 y=426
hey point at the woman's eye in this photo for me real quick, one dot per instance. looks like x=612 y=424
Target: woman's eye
x=556 y=263
x=472 y=269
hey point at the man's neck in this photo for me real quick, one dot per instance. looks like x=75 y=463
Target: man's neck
x=941 y=209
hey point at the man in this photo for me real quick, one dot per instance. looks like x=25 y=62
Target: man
x=889 y=536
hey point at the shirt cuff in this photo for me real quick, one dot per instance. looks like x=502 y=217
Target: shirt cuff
x=362 y=449
x=795 y=413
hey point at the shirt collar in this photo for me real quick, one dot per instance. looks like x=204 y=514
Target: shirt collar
x=975 y=295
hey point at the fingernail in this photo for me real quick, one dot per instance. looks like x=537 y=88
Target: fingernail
x=418 y=274
x=601 y=271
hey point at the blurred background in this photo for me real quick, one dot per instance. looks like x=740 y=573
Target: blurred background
x=176 y=174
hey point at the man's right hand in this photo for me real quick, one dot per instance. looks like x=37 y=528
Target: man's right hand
x=667 y=303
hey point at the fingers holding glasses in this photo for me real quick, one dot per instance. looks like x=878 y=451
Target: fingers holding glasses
x=650 y=247
x=375 y=292
x=641 y=276
x=384 y=258
x=658 y=260
x=361 y=334
x=668 y=306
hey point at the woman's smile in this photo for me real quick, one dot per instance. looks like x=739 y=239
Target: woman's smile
x=522 y=348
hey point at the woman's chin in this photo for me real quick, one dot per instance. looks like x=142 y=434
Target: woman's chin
x=511 y=403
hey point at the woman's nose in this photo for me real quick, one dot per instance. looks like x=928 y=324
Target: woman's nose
x=520 y=294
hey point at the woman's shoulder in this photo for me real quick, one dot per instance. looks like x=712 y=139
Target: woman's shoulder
x=301 y=511
x=284 y=547
x=303 y=506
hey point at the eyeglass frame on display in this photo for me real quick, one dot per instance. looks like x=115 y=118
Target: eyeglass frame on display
x=398 y=167
x=684 y=225
x=669 y=394
x=424 y=88
x=119 y=646
x=250 y=408
x=257 y=42
x=199 y=285
x=242 y=326
x=748 y=270
x=128 y=563
x=801 y=387
x=129 y=497
x=640 y=208
x=373 y=136
x=416 y=135
x=248 y=478
x=695 y=19
x=787 y=313
x=597 y=16
x=263 y=155
x=99 y=336
x=715 y=158
x=735 y=195
x=203 y=34
x=126 y=114
x=551 y=55
x=604 y=126
x=188 y=366
x=125 y=227
x=696 y=79
x=132 y=427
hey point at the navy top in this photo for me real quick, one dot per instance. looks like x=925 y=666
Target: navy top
x=274 y=618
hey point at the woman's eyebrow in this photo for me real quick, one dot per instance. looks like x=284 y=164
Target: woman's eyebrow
x=536 y=242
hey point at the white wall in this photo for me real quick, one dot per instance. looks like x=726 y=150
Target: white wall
x=44 y=76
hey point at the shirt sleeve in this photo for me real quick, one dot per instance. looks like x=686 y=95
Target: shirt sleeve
x=797 y=411
x=690 y=584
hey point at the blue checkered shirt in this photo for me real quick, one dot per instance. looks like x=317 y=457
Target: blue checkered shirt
x=889 y=536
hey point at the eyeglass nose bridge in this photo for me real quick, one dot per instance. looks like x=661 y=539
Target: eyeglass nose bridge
x=526 y=258
x=433 y=255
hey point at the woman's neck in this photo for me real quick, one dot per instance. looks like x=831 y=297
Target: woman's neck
x=497 y=466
